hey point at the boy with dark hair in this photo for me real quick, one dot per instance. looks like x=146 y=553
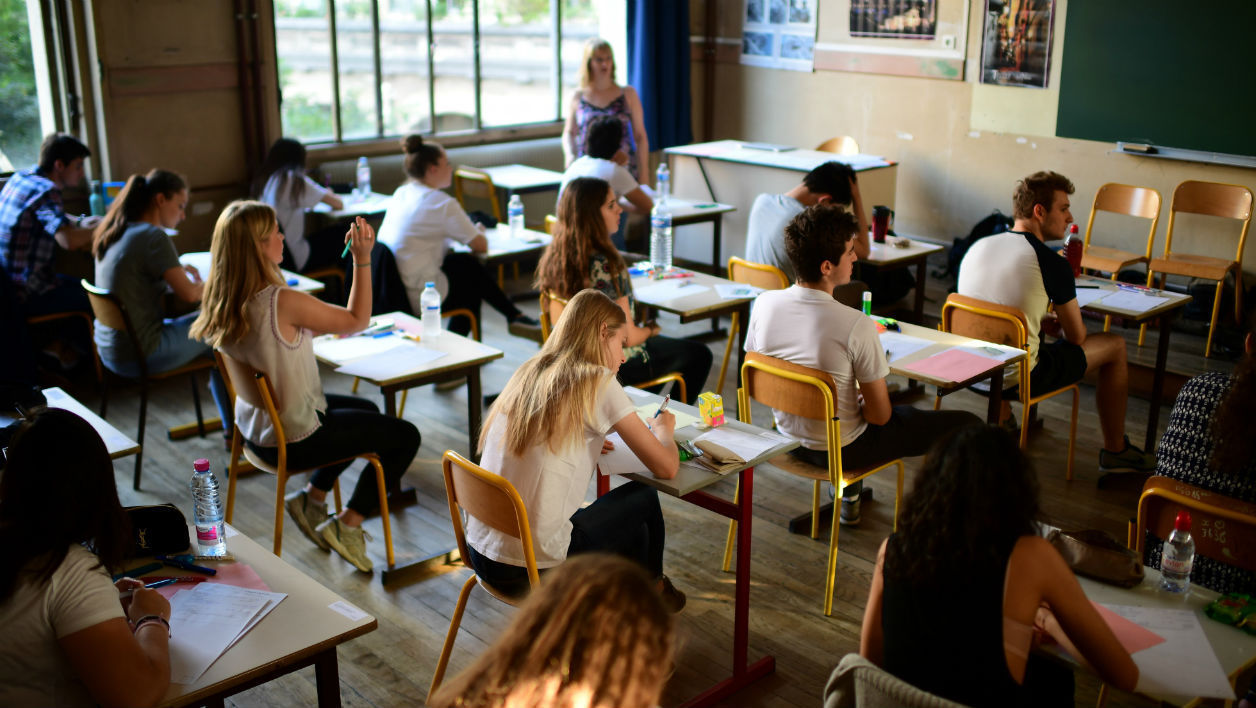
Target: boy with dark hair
x=803 y=324
x=604 y=160
x=1017 y=269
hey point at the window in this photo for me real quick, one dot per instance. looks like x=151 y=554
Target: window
x=368 y=69
x=25 y=111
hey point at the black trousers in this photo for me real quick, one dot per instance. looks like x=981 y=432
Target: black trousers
x=469 y=285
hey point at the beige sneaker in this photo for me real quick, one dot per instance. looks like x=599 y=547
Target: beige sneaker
x=307 y=515
x=349 y=542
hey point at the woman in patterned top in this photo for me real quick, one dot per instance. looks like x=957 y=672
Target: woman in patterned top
x=582 y=256
x=1209 y=444
x=599 y=95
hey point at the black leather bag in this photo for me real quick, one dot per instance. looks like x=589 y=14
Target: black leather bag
x=158 y=529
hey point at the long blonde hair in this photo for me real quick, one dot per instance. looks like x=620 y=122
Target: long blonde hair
x=591 y=46
x=239 y=269
x=594 y=635
x=548 y=398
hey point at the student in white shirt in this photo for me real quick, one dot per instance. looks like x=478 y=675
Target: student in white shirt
x=419 y=226
x=544 y=435
x=604 y=160
x=803 y=324
x=283 y=184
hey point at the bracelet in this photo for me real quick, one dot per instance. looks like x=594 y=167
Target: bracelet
x=151 y=619
x=362 y=265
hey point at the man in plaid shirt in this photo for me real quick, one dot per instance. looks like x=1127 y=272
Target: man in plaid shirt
x=33 y=223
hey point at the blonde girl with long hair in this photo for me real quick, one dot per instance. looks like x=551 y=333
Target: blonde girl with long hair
x=251 y=315
x=593 y=636
x=544 y=435
x=600 y=95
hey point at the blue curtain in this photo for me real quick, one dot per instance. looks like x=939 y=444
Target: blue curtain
x=658 y=67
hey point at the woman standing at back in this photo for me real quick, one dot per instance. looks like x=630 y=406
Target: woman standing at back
x=965 y=585
x=255 y=319
x=599 y=95
x=283 y=184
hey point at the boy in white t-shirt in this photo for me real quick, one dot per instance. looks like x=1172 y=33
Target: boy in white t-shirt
x=604 y=160
x=803 y=324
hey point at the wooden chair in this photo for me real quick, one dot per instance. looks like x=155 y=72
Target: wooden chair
x=261 y=394
x=759 y=275
x=842 y=145
x=91 y=339
x=1141 y=202
x=494 y=502
x=1229 y=201
x=478 y=184
x=809 y=393
x=1224 y=528
x=552 y=308
x=110 y=312
x=1001 y=324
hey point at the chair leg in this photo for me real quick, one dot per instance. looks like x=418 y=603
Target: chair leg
x=728 y=350
x=1212 y=323
x=937 y=401
x=356 y=381
x=139 y=456
x=1142 y=328
x=1238 y=296
x=451 y=635
x=401 y=409
x=1107 y=319
x=831 y=569
x=232 y=472
x=1103 y=696
x=335 y=491
x=383 y=507
x=732 y=532
x=281 y=481
x=815 y=508
x=1072 y=435
x=196 y=401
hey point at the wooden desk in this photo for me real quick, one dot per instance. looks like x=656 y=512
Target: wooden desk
x=686 y=212
x=887 y=256
x=727 y=172
x=301 y=631
x=502 y=249
x=522 y=179
x=689 y=485
x=1173 y=304
x=374 y=205
x=698 y=305
x=118 y=444
x=1235 y=649
x=201 y=261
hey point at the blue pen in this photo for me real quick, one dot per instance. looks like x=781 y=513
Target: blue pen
x=382 y=334
x=663 y=406
x=293 y=281
x=183 y=565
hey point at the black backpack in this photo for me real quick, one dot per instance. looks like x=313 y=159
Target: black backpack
x=995 y=223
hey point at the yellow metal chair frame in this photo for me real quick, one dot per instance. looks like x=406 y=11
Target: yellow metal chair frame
x=1005 y=325
x=1230 y=201
x=549 y=316
x=1141 y=202
x=842 y=145
x=767 y=277
x=478 y=184
x=1232 y=523
x=110 y=312
x=809 y=393
x=493 y=501
x=263 y=396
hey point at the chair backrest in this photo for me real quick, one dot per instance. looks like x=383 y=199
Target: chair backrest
x=760 y=275
x=984 y=320
x=550 y=220
x=1142 y=202
x=788 y=387
x=492 y=500
x=859 y=683
x=1230 y=201
x=109 y=311
x=470 y=182
x=552 y=307
x=1224 y=528
x=842 y=145
x=260 y=394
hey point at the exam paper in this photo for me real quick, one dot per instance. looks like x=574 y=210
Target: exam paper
x=954 y=364
x=1184 y=664
x=621 y=460
x=736 y=291
x=1086 y=296
x=1132 y=302
x=899 y=345
x=683 y=420
x=206 y=620
x=668 y=290
x=340 y=351
x=391 y=363
x=747 y=445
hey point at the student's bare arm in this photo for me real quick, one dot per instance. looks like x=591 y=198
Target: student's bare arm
x=654 y=447
x=640 y=202
x=186 y=284
x=638 y=133
x=333 y=201
x=1070 y=318
x=301 y=310
x=870 y=637
x=876 y=401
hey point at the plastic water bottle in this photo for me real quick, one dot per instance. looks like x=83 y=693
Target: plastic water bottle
x=661 y=237
x=514 y=211
x=430 y=300
x=1178 y=556
x=211 y=533
x=364 y=178
x=663 y=182
x=1073 y=250
x=97 y=201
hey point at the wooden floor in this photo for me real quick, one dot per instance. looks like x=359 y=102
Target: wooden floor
x=393 y=665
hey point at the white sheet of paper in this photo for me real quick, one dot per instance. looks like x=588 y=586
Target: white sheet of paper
x=1134 y=302
x=669 y=289
x=747 y=445
x=350 y=348
x=621 y=460
x=1184 y=664
x=683 y=420
x=736 y=291
x=391 y=363
x=207 y=620
x=900 y=345
x=990 y=352
x=1085 y=296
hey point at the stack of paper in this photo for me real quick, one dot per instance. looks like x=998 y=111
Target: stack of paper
x=207 y=620
x=747 y=445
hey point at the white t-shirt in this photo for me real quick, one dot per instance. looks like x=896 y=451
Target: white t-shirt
x=617 y=175
x=552 y=484
x=417 y=227
x=810 y=328
x=33 y=670
x=765 y=230
x=291 y=212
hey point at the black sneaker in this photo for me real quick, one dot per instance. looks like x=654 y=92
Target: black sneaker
x=1130 y=458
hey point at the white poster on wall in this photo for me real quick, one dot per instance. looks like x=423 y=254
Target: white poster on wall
x=779 y=34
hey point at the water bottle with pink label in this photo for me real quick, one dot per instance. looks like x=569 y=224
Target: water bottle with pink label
x=211 y=532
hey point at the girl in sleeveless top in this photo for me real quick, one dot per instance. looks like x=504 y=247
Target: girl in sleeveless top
x=599 y=95
x=966 y=586
x=253 y=317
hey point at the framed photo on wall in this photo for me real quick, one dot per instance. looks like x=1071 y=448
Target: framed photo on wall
x=1016 y=42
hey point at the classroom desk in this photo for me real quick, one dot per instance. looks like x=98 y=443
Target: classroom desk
x=729 y=173
x=697 y=305
x=889 y=256
x=1166 y=311
x=686 y=212
x=301 y=631
x=201 y=261
x=374 y=205
x=522 y=179
x=117 y=443
x=503 y=249
x=689 y=485
x=1235 y=649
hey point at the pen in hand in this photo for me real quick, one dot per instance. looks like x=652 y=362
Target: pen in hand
x=353 y=229
x=151 y=586
x=663 y=406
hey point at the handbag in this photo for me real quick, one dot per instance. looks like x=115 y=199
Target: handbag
x=158 y=529
x=1096 y=554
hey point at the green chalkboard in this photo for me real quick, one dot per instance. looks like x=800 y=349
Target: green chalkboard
x=1163 y=72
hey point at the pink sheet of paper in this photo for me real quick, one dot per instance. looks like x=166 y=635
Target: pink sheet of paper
x=953 y=365
x=1132 y=636
x=238 y=574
